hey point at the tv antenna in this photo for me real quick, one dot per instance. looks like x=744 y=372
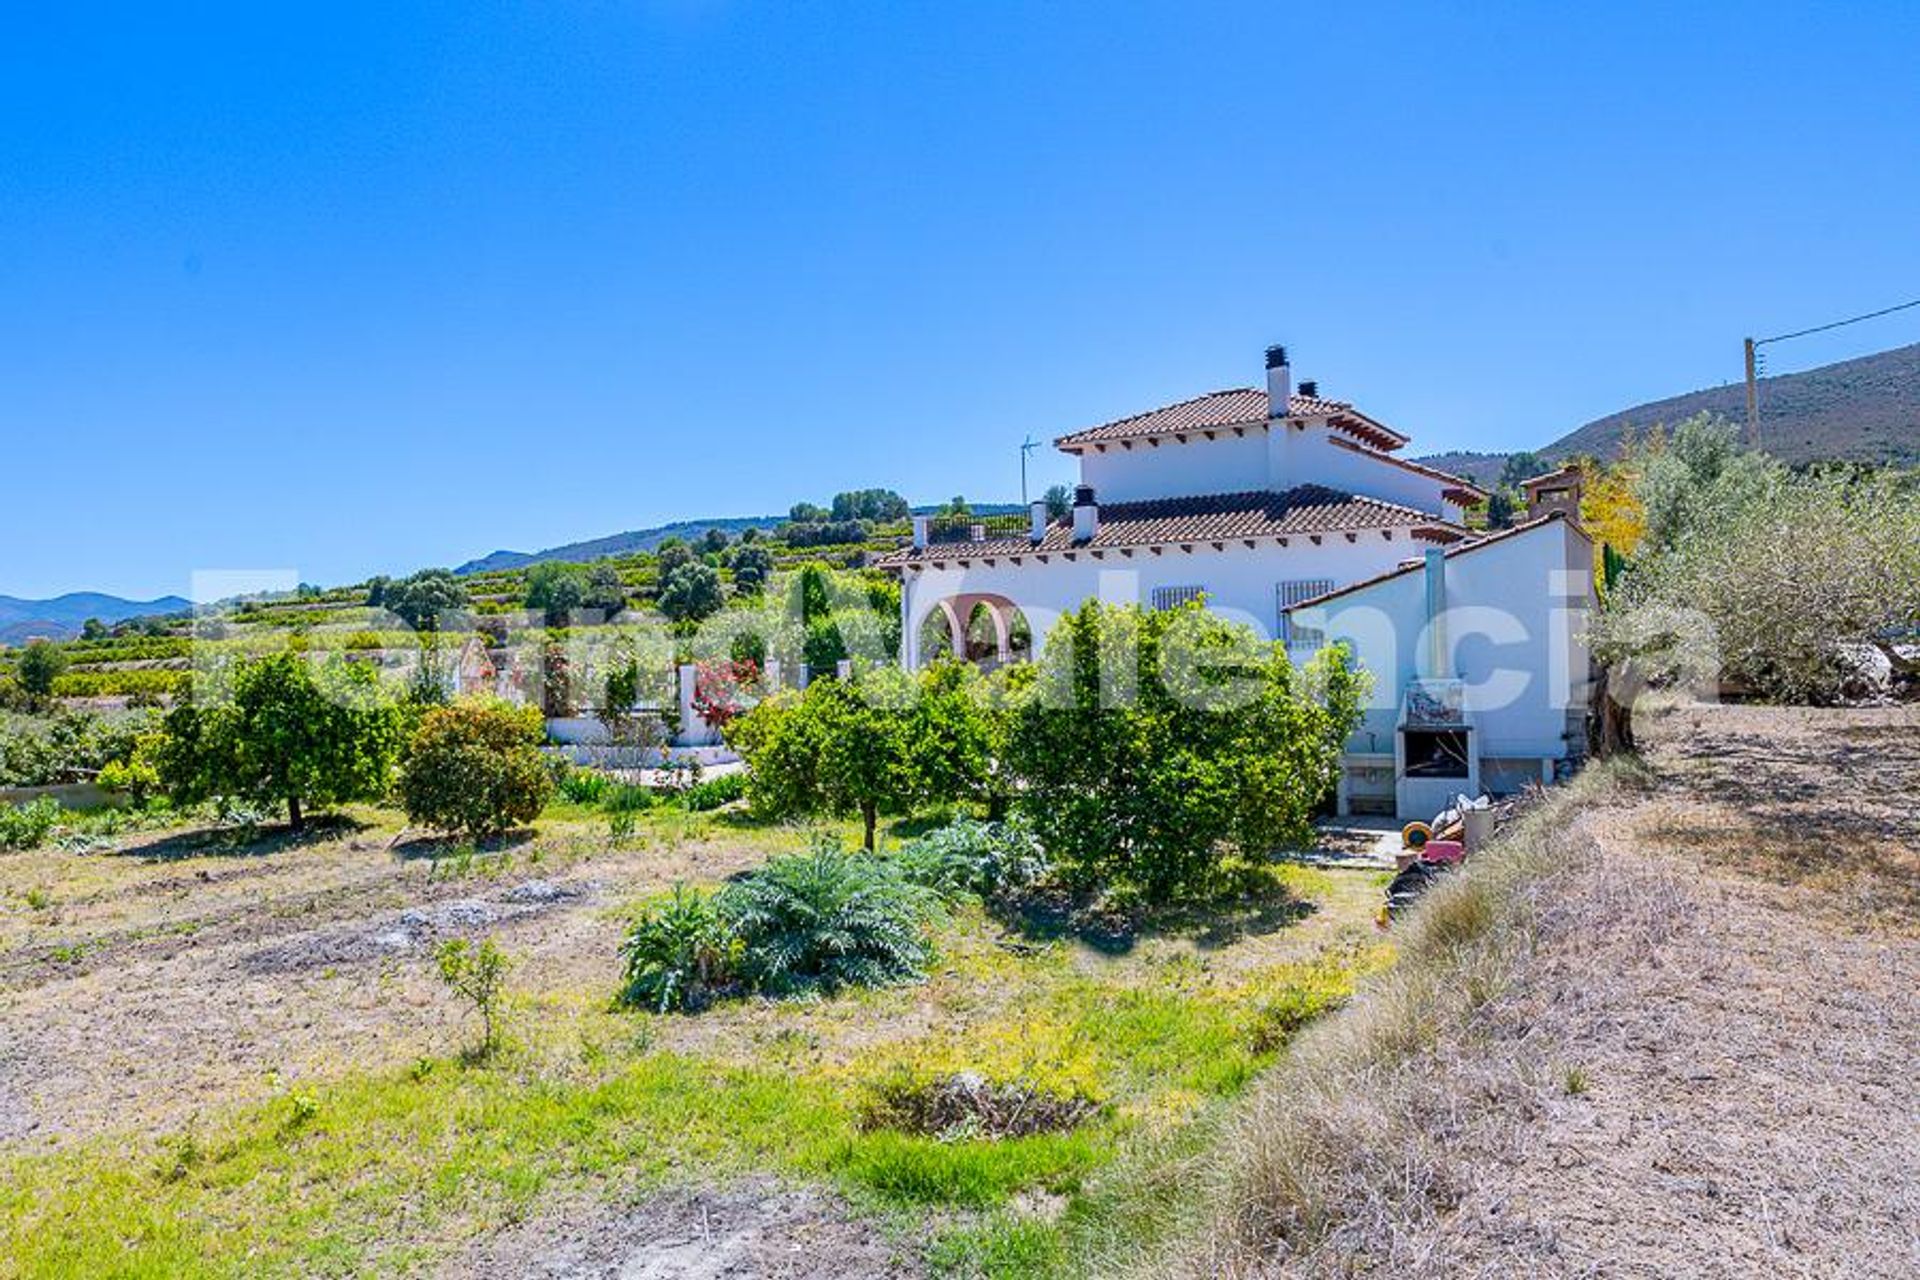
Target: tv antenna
x=1027 y=446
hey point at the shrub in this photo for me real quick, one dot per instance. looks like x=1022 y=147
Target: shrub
x=715 y=792
x=679 y=955
x=476 y=769
x=691 y=592
x=975 y=857
x=584 y=786
x=828 y=919
x=478 y=975
x=27 y=826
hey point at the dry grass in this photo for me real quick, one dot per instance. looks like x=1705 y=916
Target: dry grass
x=1661 y=1028
x=1343 y=1153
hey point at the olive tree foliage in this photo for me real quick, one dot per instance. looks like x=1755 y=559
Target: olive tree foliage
x=1152 y=745
x=421 y=599
x=1698 y=478
x=281 y=731
x=1776 y=575
x=692 y=592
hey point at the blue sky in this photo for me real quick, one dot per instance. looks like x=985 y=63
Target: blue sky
x=361 y=289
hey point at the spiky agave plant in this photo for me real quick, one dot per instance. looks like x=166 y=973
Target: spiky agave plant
x=828 y=919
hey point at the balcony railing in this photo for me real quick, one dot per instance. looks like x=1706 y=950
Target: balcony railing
x=949 y=529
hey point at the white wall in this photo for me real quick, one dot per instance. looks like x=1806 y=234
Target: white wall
x=1241 y=583
x=1270 y=459
x=1515 y=624
x=1170 y=469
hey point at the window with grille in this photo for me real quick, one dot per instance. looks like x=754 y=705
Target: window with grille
x=1291 y=593
x=1174 y=597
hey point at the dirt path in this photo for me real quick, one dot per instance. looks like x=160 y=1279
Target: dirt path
x=1724 y=1031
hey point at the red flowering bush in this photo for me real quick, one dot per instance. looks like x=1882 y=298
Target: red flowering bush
x=721 y=690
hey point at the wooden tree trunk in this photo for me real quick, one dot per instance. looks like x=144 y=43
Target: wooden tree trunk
x=1610 y=727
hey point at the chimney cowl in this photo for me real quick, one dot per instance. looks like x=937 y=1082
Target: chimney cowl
x=1308 y=387
x=1086 y=514
x=1279 y=383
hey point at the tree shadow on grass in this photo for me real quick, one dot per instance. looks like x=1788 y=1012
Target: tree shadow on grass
x=1251 y=902
x=244 y=842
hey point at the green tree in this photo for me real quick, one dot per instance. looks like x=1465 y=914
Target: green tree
x=475 y=768
x=713 y=541
x=692 y=592
x=423 y=599
x=671 y=554
x=752 y=569
x=1152 y=744
x=842 y=747
x=38 y=667
x=477 y=973
x=284 y=734
x=556 y=590
x=606 y=591
x=1521 y=467
x=807 y=513
x=93 y=629
x=1059 y=500
x=1499 y=510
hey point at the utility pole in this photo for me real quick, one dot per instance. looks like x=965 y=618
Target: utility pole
x=1753 y=401
x=1026 y=447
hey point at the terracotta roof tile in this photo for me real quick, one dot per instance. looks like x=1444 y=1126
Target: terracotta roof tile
x=1235 y=407
x=1220 y=517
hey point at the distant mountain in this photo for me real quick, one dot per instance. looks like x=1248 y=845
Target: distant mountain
x=61 y=617
x=1864 y=410
x=622 y=544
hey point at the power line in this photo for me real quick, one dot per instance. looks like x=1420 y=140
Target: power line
x=1753 y=346
x=1837 y=324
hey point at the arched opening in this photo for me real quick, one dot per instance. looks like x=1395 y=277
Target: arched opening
x=986 y=630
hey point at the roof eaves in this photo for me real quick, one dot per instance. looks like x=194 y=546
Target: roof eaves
x=1414 y=566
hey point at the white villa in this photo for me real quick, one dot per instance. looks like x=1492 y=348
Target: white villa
x=1294 y=513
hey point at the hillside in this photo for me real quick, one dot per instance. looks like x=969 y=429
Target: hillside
x=637 y=540
x=618 y=544
x=61 y=617
x=1864 y=410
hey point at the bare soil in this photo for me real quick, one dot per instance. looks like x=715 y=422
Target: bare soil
x=756 y=1231
x=172 y=976
x=1708 y=1066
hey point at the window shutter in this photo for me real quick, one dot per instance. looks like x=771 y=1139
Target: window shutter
x=1292 y=593
x=1173 y=597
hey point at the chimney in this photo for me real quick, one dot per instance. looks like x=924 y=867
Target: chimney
x=1037 y=517
x=1086 y=514
x=920 y=533
x=1309 y=388
x=1557 y=491
x=1436 y=613
x=1279 y=382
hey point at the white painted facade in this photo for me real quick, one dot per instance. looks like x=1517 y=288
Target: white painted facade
x=1272 y=443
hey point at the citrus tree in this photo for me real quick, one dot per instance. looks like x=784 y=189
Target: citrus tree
x=282 y=732
x=1151 y=745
